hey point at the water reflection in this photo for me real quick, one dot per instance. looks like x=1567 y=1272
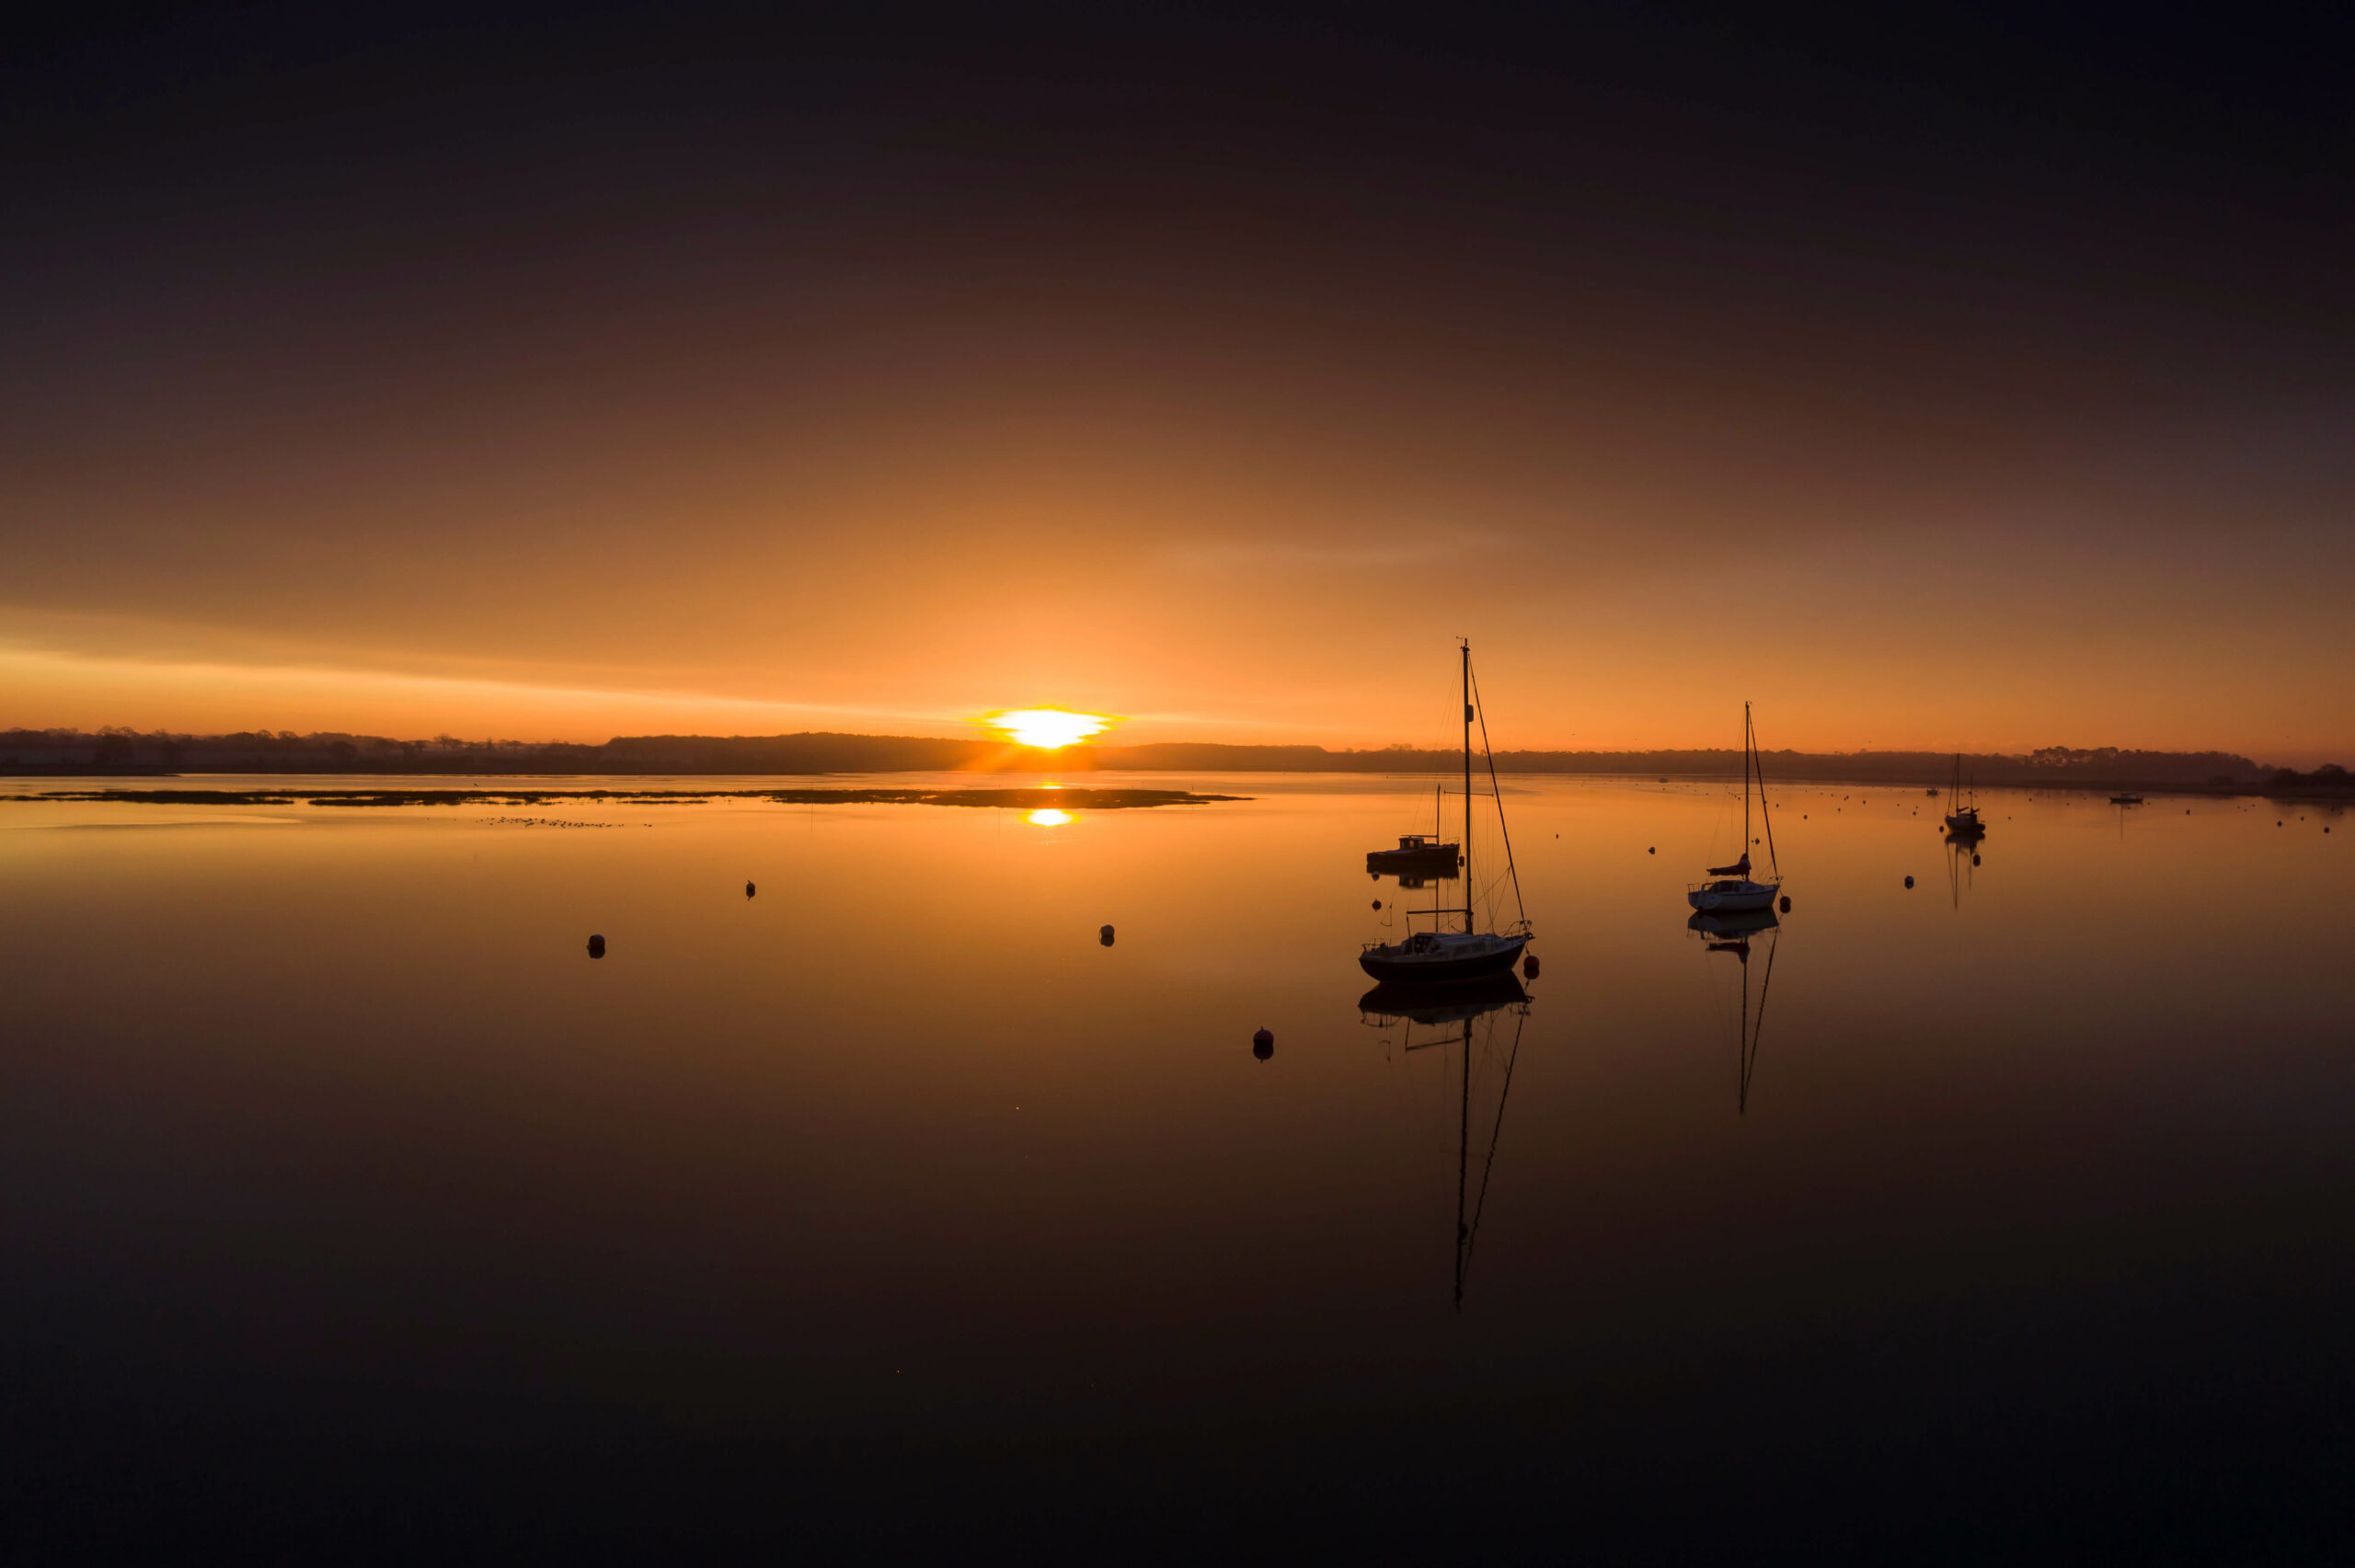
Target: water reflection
x=1962 y=865
x=1734 y=933
x=1466 y=1016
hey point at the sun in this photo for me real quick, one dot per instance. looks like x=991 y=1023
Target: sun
x=1048 y=729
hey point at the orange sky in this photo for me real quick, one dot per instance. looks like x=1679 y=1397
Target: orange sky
x=564 y=424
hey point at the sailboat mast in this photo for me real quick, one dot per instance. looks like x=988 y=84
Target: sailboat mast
x=1467 y=786
x=1745 y=782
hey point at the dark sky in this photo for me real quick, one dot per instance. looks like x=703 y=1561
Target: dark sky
x=1980 y=377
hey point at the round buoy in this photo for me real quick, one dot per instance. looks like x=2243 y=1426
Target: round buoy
x=1909 y=882
x=1377 y=904
x=750 y=890
x=596 y=947
x=1654 y=850
x=1529 y=966
x=1786 y=903
x=1105 y=936
x=1263 y=1045
x=1975 y=860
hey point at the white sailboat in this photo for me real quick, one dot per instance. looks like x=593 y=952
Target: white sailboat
x=1732 y=888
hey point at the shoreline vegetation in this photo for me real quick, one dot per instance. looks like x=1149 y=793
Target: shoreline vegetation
x=1078 y=799
x=124 y=753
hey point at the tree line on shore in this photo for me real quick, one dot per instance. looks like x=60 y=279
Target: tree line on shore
x=118 y=750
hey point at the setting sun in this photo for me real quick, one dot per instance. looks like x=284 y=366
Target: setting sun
x=1048 y=727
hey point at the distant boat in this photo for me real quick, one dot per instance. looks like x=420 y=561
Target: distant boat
x=1446 y=957
x=1733 y=888
x=2129 y=799
x=1963 y=820
x=1419 y=854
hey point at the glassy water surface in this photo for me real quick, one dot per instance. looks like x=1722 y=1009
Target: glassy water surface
x=890 y=1201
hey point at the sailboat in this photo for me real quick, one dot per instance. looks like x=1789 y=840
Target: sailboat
x=1445 y=958
x=1733 y=887
x=1963 y=820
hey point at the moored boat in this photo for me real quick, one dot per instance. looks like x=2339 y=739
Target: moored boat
x=1417 y=852
x=1732 y=888
x=1963 y=820
x=1450 y=957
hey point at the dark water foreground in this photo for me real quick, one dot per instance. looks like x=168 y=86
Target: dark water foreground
x=349 y=1208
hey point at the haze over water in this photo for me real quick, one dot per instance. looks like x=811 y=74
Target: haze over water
x=339 y=1173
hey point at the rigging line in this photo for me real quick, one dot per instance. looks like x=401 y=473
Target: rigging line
x=1758 y=1032
x=1494 y=1137
x=1481 y=707
x=1764 y=815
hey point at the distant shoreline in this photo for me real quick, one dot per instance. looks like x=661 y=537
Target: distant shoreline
x=1082 y=797
x=65 y=754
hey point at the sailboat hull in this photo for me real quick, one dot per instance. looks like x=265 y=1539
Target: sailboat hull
x=1452 y=966
x=1965 y=824
x=1733 y=897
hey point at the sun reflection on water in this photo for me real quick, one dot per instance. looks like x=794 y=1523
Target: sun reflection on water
x=1048 y=816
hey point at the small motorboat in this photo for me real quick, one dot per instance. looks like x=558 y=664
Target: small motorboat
x=2129 y=799
x=1417 y=855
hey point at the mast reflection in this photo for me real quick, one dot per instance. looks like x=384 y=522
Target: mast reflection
x=1735 y=933
x=1457 y=1013
x=1962 y=865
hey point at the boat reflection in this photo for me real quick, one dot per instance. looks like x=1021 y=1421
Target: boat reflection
x=1465 y=1016
x=1737 y=934
x=1409 y=879
x=1962 y=866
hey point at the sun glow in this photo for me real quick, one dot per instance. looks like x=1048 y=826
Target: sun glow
x=1048 y=816
x=1048 y=729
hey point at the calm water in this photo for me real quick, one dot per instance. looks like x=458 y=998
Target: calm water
x=348 y=1200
